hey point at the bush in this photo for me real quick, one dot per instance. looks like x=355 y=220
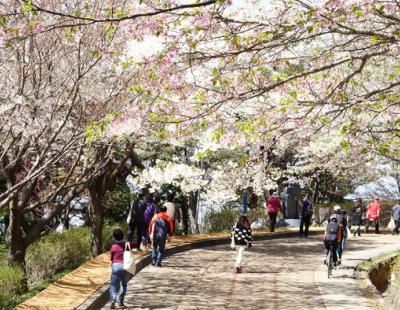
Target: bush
x=56 y=251
x=10 y=285
x=217 y=221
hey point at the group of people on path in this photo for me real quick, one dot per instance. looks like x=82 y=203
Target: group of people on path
x=152 y=223
x=337 y=229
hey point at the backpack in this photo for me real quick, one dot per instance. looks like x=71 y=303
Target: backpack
x=332 y=230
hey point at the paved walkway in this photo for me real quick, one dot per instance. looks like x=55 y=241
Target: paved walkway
x=277 y=274
x=75 y=288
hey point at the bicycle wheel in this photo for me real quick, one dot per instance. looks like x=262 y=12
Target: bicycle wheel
x=330 y=263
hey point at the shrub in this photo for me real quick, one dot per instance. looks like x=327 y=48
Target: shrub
x=10 y=285
x=217 y=221
x=56 y=251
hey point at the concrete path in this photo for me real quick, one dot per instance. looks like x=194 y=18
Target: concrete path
x=277 y=274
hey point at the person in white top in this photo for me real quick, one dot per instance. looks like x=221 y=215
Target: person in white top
x=171 y=207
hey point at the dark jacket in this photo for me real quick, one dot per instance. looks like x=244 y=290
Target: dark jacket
x=242 y=235
x=306 y=208
x=357 y=215
x=138 y=208
x=396 y=212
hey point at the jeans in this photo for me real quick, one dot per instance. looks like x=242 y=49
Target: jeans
x=272 y=221
x=305 y=221
x=157 y=253
x=140 y=227
x=119 y=278
x=342 y=245
x=357 y=230
x=239 y=254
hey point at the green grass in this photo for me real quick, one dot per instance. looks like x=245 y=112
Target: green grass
x=43 y=284
x=368 y=264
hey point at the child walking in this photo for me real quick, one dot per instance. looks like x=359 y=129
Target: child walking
x=160 y=226
x=241 y=233
x=119 y=276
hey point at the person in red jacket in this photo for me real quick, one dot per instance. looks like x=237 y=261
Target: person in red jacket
x=160 y=226
x=373 y=212
x=273 y=206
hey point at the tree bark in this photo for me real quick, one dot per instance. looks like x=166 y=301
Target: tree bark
x=96 y=218
x=192 y=206
x=16 y=242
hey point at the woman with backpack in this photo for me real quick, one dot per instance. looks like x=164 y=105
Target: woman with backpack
x=357 y=216
x=333 y=239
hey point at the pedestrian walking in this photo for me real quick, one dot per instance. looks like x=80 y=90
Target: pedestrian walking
x=149 y=212
x=160 y=226
x=357 y=215
x=396 y=218
x=373 y=212
x=273 y=206
x=241 y=233
x=172 y=208
x=136 y=220
x=119 y=276
x=306 y=212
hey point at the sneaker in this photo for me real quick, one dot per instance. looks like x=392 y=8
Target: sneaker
x=159 y=265
x=335 y=264
x=153 y=263
x=112 y=306
x=339 y=262
x=121 y=305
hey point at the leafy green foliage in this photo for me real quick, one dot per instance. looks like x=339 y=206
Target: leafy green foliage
x=10 y=285
x=223 y=220
x=52 y=253
x=117 y=202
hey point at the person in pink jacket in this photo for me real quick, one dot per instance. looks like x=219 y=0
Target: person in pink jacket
x=373 y=211
x=273 y=206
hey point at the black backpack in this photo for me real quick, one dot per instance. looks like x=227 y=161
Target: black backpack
x=332 y=230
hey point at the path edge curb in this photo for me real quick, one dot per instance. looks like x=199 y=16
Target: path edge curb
x=99 y=298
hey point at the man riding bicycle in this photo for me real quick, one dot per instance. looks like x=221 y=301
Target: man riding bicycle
x=332 y=238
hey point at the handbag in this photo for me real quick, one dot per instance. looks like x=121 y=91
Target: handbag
x=391 y=224
x=129 y=260
x=129 y=218
x=233 y=245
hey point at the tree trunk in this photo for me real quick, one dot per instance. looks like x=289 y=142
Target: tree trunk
x=192 y=205
x=96 y=219
x=66 y=219
x=16 y=242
